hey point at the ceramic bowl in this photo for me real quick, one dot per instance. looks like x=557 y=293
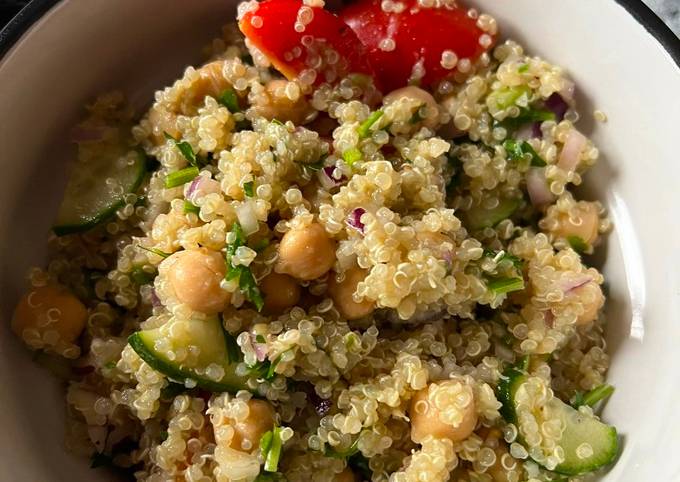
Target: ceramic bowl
x=58 y=55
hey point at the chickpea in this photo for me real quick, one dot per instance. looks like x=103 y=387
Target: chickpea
x=306 y=253
x=583 y=223
x=422 y=102
x=342 y=294
x=195 y=277
x=593 y=301
x=284 y=101
x=345 y=476
x=46 y=310
x=248 y=432
x=280 y=292
x=430 y=404
x=162 y=122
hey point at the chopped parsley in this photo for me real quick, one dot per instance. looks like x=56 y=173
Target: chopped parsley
x=249 y=188
x=229 y=99
x=265 y=370
x=526 y=116
x=185 y=148
x=351 y=156
x=181 y=177
x=190 y=207
x=577 y=244
x=500 y=256
x=364 y=129
x=142 y=277
x=278 y=122
x=518 y=151
x=246 y=280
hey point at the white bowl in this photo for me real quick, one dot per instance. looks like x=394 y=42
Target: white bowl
x=624 y=61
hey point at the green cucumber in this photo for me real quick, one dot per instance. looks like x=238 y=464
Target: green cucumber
x=205 y=335
x=479 y=217
x=89 y=199
x=579 y=428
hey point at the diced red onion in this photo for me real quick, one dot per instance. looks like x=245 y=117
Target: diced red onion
x=201 y=186
x=328 y=179
x=245 y=213
x=259 y=348
x=567 y=92
x=571 y=150
x=574 y=282
x=354 y=219
x=323 y=407
x=155 y=300
x=557 y=105
x=527 y=131
x=549 y=318
x=537 y=186
x=536 y=130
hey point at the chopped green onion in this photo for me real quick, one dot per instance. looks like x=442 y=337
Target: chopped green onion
x=141 y=277
x=577 y=244
x=233 y=350
x=246 y=280
x=181 y=177
x=592 y=397
x=155 y=251
x=508 y=96
x=500 y=286
x=518 y=150
x=271 y=446
x=229 y=99
x=249 y=188
x=364 y=130
x=523 y=68
x=500 y=256
x=185 y=148
x=351 y=156
x=190 y=207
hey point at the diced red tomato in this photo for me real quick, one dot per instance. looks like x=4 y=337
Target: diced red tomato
x=410 y=44
x=308 y=43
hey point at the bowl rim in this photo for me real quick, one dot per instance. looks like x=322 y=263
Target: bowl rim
x=35 y=9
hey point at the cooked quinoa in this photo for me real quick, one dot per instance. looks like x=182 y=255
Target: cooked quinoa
x=374 y=265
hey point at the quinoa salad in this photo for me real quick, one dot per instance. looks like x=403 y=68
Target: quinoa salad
x=344 y=246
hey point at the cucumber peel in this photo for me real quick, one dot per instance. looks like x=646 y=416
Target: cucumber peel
x=597 y=441
x=479 y=217
x=206 y=336
x=89 y=199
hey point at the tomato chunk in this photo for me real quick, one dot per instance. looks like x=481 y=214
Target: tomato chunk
x=303 y=42
x=409 y=43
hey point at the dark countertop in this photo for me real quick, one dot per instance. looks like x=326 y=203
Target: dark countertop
x=668 y=10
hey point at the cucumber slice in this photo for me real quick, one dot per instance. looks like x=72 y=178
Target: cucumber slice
x=96 y=189
x=588 y=443
x=479 y=217
x=205 y=338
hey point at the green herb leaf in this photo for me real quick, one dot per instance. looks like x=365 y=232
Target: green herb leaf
x=190 y=207
x=265 y=370
x=577 y=244
x=229 y=99
x=266 y=443
x=523 y=68
x=517 y=151
x=155 y=251
x=351 y=156
x=260 y=339
x=185 y=148
x=141 y=276
x=592 y=397
x=246 y=280
x=525 y=116
x=364 y=129
x=505 y=285
x=278 y=122
x=249 y=188
x=181 y=177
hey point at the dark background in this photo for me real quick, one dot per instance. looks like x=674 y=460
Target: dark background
x=668 y=10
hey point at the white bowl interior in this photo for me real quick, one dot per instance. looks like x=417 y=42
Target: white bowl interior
x=81 y=49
